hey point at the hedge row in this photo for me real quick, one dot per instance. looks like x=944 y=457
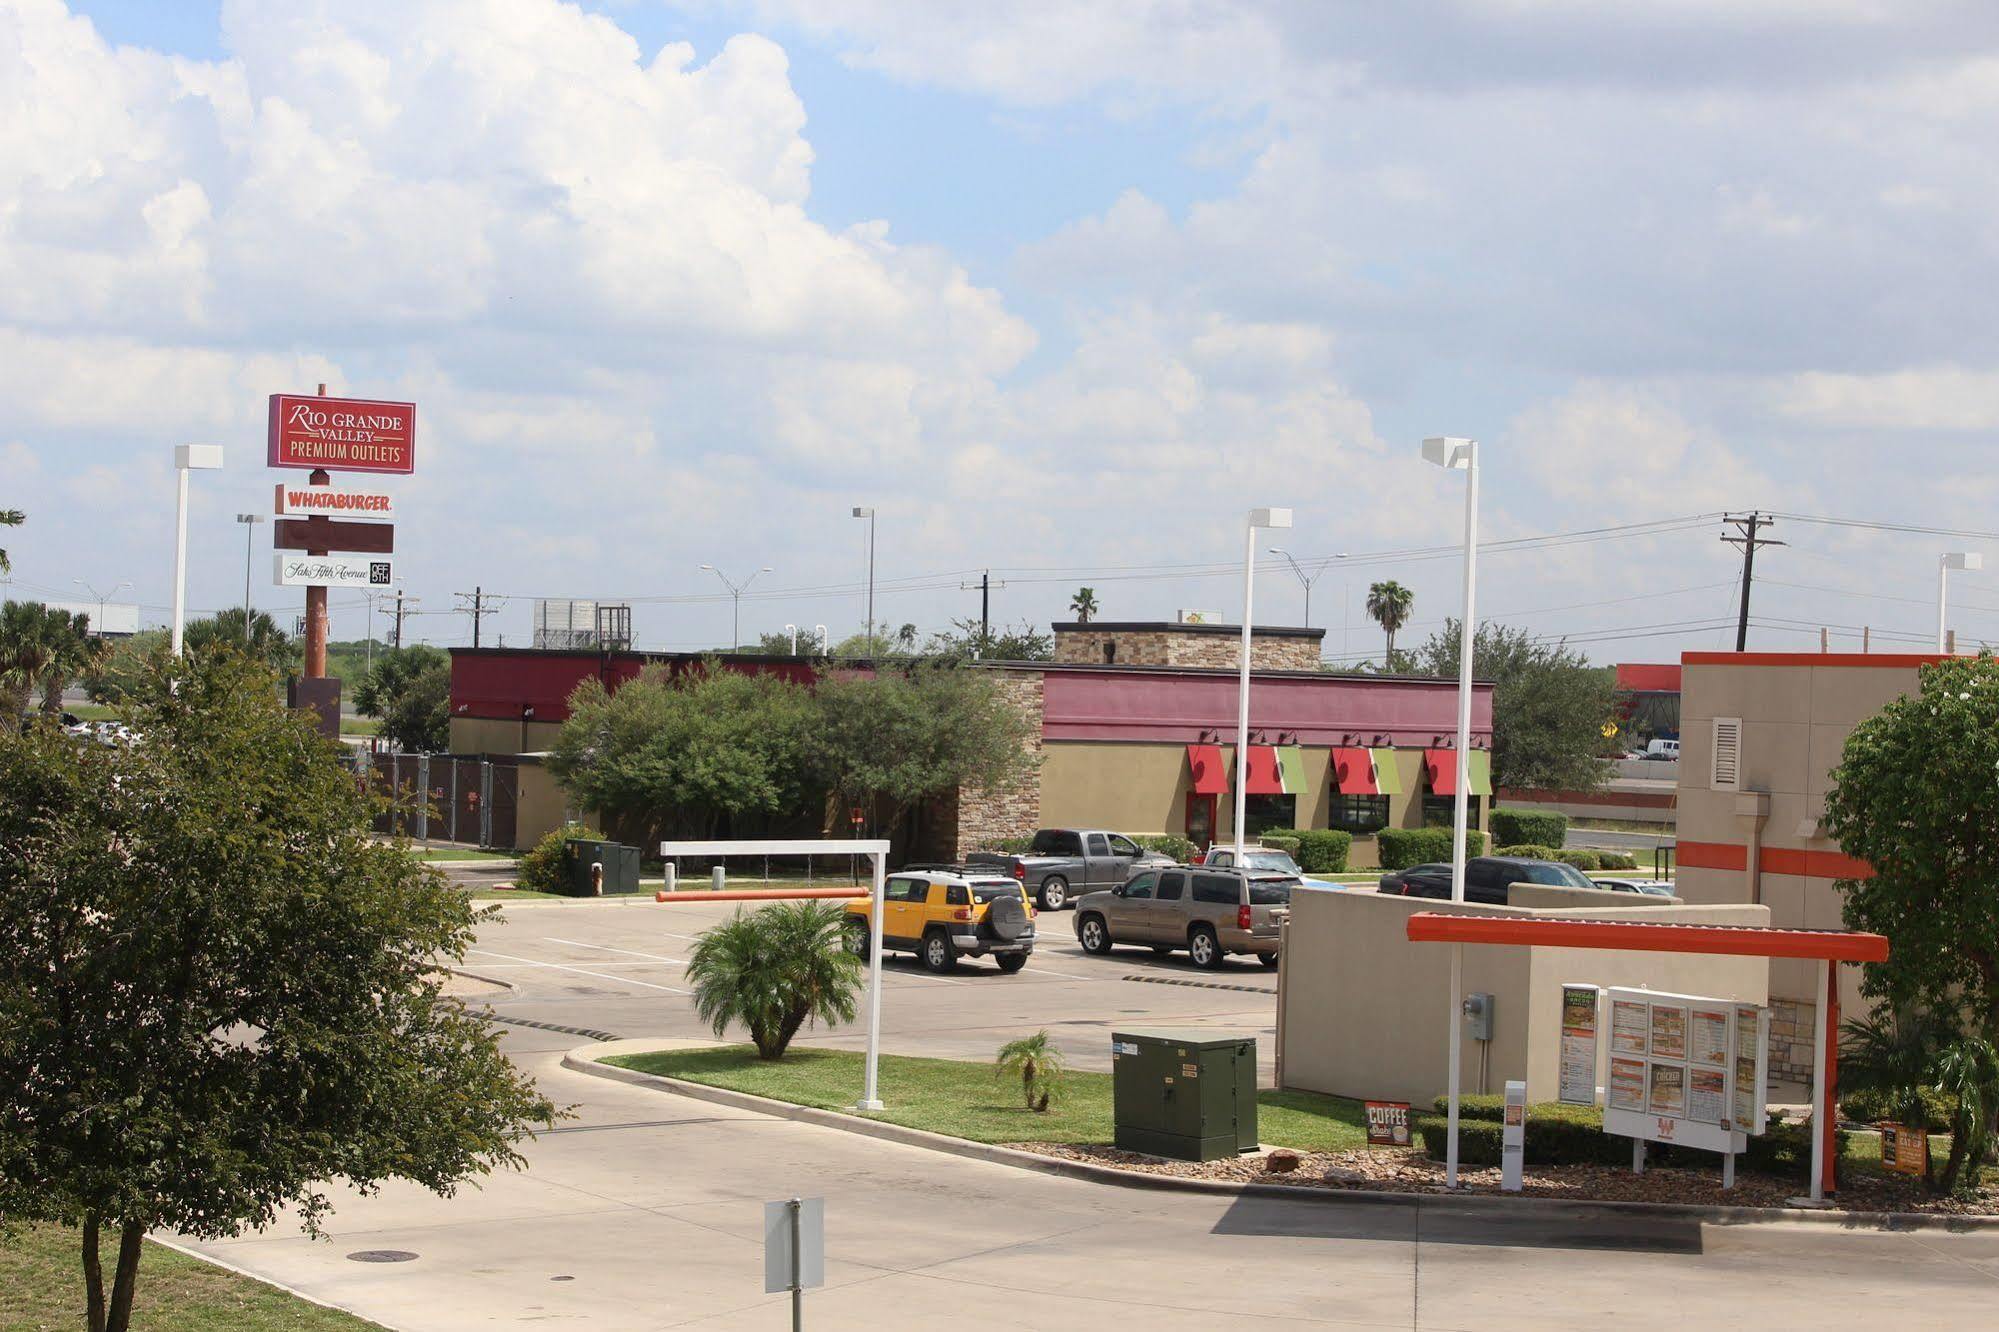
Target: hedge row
x=1581 y=859
x=1559 y=1134
x=1402 y=847
x=1168 y=844
x=1320 y=850
x=1538 y=827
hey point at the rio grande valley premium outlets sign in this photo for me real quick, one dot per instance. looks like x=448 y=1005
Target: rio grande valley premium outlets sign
x=342 y=434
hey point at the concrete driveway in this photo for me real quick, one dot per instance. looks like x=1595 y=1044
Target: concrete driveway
x=646 y=1212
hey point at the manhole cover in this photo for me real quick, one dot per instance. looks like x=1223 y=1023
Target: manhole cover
x=381 y=1256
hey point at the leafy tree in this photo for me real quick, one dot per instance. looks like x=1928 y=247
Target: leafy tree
x=263 y=640
x=1084 y=604
x=884 y=743
x=120 y=672
x=1389 y=605
x=1040 y=1067
x=965 y=641
x=42 y=648
x=774 y=970
x=218 y=991
x=9 y=518
x=1548 y=706
x=1914 y=797
x=410 y=692
x=664 y=754
x=780 y=645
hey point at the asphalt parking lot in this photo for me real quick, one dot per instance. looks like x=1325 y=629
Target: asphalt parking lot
x=618 y=967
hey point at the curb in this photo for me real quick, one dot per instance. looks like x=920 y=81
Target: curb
x=488 y=980
x=584 y=1059
x=186 y=1252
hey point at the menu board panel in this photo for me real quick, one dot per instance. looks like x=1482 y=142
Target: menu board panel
x=1707 y=1094
x=1666 y=1090
x=1578 y=1054
x=1669 y=1031
x=1708 y=1043
x=1626 y=1089
x=1628 y=1024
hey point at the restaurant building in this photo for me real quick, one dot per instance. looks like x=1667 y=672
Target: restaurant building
x=1134 y=729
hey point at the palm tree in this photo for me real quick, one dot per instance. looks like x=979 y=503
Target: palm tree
x=73 y=651
x=9 y=518
x=1084 y=603
x=1389 y=604
x=264 y=641
x=774 y=970
x=24 y=654
x=1039 y=1066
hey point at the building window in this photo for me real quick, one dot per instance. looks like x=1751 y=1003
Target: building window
x=1269 y=811
x=1440 y=811
x=1359 y=814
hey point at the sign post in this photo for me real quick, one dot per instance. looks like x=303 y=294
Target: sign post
x=1513 y=1140
x=795 y=1250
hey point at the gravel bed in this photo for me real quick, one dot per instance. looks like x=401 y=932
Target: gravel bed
x=1410 y=1170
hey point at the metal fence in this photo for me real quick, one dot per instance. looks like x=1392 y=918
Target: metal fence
x=445 y=797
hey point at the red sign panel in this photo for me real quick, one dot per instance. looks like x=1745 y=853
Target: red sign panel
x=332 y=534
x=1387 y=1123
x=342 y=434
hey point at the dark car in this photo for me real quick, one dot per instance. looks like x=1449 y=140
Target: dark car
x=1486 y=878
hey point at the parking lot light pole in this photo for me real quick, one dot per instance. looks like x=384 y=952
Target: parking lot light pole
x=1460 y=455
x=187 y=458
x=867 y=512
x=736 y=595
x=1962 y=559
x=1269 y=520
x=101 y=598
x=249 y=521
x=1303 y=581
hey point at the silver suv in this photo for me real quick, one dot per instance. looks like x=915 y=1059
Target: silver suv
x=1209 y=912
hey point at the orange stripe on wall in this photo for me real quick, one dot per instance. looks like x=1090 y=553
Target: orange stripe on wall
x=1774 y=860
x=1711 y=855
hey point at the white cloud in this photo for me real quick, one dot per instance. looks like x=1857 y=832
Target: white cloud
x=1934 y=398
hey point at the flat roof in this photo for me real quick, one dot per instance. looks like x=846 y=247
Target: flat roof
x=1180 y=627
x=1880 y=660
x=1648 y=936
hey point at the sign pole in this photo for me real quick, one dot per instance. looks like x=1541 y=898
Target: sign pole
x=315 y=601
x=797 y=1286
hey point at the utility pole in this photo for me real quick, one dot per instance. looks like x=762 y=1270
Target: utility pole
x=1747 y=526
x=479 y=608
x=400 y=612
x=985 y=586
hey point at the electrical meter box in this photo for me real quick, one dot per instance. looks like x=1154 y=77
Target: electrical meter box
x=1188 y=1095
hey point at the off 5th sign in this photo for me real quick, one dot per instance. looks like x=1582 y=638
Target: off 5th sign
x=333 y=571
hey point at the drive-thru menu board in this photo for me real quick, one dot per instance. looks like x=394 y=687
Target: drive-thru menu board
x=1686 y=1069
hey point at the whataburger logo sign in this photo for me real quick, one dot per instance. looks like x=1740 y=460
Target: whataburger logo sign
x=342 y=434
x=313 y=501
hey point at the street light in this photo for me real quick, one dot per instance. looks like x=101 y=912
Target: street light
x=736 y=621
x=1303 y=581
x=100 y=598
x=187 y=458
x=249 y=521
x=1460 y=455
x=861 y=511
x=1270 y=520
x=1962 y=559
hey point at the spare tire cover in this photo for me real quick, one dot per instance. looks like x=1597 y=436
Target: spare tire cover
x=1007 y=916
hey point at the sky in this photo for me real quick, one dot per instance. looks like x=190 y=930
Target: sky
x=1061 y=291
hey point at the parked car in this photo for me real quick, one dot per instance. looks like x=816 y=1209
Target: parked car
x=1486 y=878
x=1207 y=911
x=1062 y=863
x=1664 y=750
x=944 y=913
x=1263 y=858
x=1649 y=887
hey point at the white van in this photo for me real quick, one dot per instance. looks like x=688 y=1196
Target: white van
x=1663 y=749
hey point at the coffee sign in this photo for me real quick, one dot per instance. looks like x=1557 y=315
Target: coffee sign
x=342 y=434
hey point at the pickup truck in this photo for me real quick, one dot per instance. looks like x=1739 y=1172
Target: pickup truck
x=1062 y=863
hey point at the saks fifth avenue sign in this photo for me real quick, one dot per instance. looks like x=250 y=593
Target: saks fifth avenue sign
x=342 y=434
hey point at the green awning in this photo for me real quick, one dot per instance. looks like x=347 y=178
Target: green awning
x=1291 y=763
x=1386 y=775
x=1481 y=773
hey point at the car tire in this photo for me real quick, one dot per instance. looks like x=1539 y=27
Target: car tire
x=1204 y=948
x=1094 y=935
x=1054 y=893
x=1270 y=959
x=938 y=954
x=857 y=940
x=1011 y=962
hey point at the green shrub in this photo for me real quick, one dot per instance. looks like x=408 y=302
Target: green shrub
x=1582 y=860
x=1527 y=851
x=1280 y=842
x=1559 y=1134
x=1617 y=860
x=1538 y=827
x=1402 y=847
x=1322 y=850
x=1166 y=844
x=545 y=869
x=1011 y=846
x=1874 y=1107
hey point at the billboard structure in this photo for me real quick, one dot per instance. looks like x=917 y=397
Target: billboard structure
x=563 y=625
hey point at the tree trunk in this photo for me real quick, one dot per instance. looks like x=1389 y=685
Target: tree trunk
x=93 y=1277
x=129 y=1241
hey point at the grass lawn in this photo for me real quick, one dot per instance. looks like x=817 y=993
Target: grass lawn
x=965 y=1100
x=462 y=853
x=90 y=711
x=41 y=1290
x=360 y=725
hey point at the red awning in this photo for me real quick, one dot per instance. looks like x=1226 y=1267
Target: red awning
x=1265 y=777
x=1205 y=761
x=1353 y=771
x=1440 y=767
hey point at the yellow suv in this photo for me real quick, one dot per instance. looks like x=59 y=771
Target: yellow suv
x=943 y=913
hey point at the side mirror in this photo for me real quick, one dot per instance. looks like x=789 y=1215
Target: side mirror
x=1118 y=891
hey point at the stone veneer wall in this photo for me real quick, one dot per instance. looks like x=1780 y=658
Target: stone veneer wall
x=982 y=817
x=1791 y=1025
x=1168 y=647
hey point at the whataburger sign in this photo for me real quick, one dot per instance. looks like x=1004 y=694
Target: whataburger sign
x=316 y=501
x=342 y=434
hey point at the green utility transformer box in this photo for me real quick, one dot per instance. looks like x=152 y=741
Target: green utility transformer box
x=621 y=867
x=1184 y=1094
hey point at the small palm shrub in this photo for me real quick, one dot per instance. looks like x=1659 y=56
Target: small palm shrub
x=1039 y=1066
x=542 y=869
x=772 y=971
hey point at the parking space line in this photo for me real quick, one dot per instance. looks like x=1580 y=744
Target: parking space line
x=628 y=952
x=581 y=971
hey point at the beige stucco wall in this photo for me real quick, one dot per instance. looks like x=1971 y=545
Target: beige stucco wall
x=1363 y=1011
x=479 y=735
x=542 y=807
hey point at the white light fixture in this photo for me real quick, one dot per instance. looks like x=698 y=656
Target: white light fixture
x=1270 y=520
x=1969 y=560
x=187 y=458
x=1460 y=455
x=867 y=512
